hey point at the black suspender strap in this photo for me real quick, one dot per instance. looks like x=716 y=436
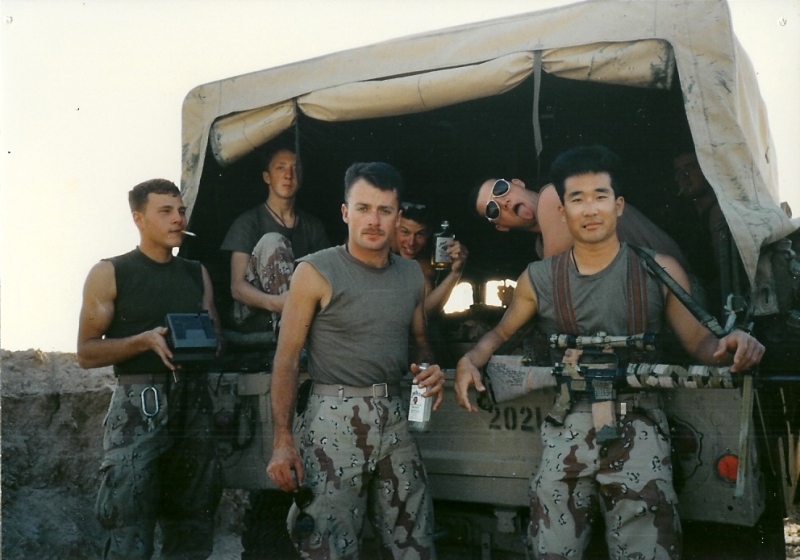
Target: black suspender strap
x=562 y=298
x=637 y=295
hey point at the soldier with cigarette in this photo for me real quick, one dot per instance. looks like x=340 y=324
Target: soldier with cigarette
x=159 y=463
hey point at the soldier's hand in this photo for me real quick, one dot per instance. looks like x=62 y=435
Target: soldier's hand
x=467 y=374
x=458 y=253
x=155 y=340
x=505 y=294
x=432 y=380
x=747 y=351
x=285 y=468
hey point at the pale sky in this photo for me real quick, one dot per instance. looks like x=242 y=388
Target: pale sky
x=91 y=105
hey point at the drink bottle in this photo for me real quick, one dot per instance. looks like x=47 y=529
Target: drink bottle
x=440 y=260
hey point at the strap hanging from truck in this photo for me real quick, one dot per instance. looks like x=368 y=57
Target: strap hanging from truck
x=537 y=125
x=636 y=296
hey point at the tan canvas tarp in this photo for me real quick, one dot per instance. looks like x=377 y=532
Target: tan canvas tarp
x=637 y=63
x=725 y=111
x=417 y=93
x=236 y=136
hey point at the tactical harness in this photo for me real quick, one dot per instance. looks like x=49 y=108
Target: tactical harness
x=636 y=297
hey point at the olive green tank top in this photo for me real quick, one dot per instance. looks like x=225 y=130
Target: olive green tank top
x=362 y=335
x=146 y=291
x=600 y=301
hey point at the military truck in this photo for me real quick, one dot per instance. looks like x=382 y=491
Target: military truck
x=502 y=98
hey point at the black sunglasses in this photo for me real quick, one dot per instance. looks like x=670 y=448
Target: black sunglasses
x=499 y=190
x=304 y=523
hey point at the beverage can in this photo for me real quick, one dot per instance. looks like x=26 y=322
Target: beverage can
x=419 y=407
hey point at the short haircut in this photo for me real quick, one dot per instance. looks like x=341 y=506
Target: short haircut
x=683 y=150
x=270 y=154
x=418 y=213
x=380 y=175
x=583 y=160
x=137 y=197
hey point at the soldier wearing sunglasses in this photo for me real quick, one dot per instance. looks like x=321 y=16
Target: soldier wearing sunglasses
x=509 y=205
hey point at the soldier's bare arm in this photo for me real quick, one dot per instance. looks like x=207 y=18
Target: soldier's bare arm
x=522 y=309
x=556 y=237
x=211 y=308
x=243 y=291
x=436 y=297
x=97 y=312
x=738 y=349
x=308 y=292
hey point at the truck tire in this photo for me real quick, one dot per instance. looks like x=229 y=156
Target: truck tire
x=265 y=536
x=769 y=537
x=717 y=541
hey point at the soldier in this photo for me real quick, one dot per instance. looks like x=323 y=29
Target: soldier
x=411 y=238
x=160 y=462
x=264 y=242
x=509 y=205
x=359 y=306
x=586 y=290
x=706 y=231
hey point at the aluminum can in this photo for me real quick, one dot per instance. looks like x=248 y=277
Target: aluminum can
x=419 y=407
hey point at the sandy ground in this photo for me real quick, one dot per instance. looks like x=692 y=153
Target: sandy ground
x=791 y=531
x=52 y=412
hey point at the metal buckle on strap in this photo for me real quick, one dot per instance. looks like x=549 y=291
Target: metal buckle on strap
x=380 y=391
x=150 y=411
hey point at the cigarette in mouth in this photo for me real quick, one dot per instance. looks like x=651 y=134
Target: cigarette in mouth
x=189 y=233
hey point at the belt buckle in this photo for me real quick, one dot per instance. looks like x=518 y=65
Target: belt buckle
x=377 y=386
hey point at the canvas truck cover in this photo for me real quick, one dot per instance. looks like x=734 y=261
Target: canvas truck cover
x=638 y=43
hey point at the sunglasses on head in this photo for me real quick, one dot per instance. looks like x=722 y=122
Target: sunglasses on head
x=499 y=190
x=304 y=523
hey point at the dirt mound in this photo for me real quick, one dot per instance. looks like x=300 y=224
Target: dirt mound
x=52 y=413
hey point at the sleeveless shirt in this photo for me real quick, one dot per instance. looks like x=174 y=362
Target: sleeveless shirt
x=599 y=300
x=146 y=291
x=361 y=337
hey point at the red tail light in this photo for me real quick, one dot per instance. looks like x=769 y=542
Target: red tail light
x=727 y=466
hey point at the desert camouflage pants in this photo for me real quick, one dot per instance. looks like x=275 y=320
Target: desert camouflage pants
x=162 y=471
x=629 y=479
x=270 y=270
x=360 y=460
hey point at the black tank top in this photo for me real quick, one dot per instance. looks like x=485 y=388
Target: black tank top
x=146 y=291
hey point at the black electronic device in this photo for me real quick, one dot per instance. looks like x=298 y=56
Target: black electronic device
x=191 y=337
